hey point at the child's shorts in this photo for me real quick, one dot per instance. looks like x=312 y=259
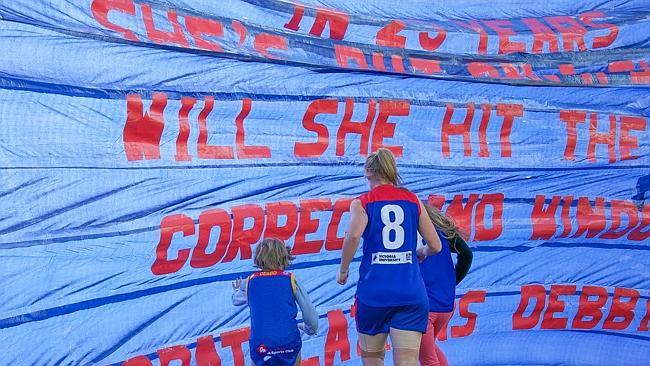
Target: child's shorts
x=373 y=320
x=286 y=355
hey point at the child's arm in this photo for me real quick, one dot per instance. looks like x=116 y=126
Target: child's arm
x=309 y=314
x=239 y=287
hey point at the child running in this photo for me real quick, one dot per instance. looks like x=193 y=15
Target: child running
x=271 y=295
x=440 y=279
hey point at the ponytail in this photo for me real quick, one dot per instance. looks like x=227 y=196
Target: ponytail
x=443 y=223
x=382 y=164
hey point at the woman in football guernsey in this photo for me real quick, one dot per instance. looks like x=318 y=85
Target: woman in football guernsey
x=391 y=298
x=440 y=279
x=272 y=294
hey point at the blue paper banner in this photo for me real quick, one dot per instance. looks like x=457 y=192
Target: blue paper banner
x=147 y=146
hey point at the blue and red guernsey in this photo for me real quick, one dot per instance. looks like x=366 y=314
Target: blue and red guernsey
x=439 y=277
x=389 y=274
x=272 y=303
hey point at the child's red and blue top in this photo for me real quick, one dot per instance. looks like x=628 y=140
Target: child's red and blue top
x=273 y=309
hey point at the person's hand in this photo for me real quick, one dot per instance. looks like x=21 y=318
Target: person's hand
x=236 y=284
x=342 y=276
x=421 y=253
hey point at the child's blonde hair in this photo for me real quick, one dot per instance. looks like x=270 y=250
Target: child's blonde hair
x=272 y=254
x=443 y=223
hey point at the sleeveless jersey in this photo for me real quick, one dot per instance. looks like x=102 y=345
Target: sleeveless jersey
x=389 y=274
x=273 y=309
x=440 y=278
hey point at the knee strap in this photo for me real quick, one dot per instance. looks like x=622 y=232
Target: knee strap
x=373 y=354
x=405 y=339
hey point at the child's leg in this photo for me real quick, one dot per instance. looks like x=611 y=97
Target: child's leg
x=428 y=354
x=373 y=349
x=406 y=346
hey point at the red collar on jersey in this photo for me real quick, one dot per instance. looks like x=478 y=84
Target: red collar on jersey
x=270 y=273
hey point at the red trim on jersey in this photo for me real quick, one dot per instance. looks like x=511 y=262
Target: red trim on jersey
x=388 y=192
x=271 y=273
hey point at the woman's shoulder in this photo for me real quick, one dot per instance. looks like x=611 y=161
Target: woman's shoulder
x=406 y=194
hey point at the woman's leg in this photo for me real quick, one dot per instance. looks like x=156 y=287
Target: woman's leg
x=406 y=346
x=428 y=354
x=439 y=321
x=373 y=349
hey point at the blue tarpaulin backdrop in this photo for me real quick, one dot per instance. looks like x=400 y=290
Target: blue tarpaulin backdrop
x=146 y=146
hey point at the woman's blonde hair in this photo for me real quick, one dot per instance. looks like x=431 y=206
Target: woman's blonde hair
x=272 y=254
x=443 y=223
x=382 y=164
